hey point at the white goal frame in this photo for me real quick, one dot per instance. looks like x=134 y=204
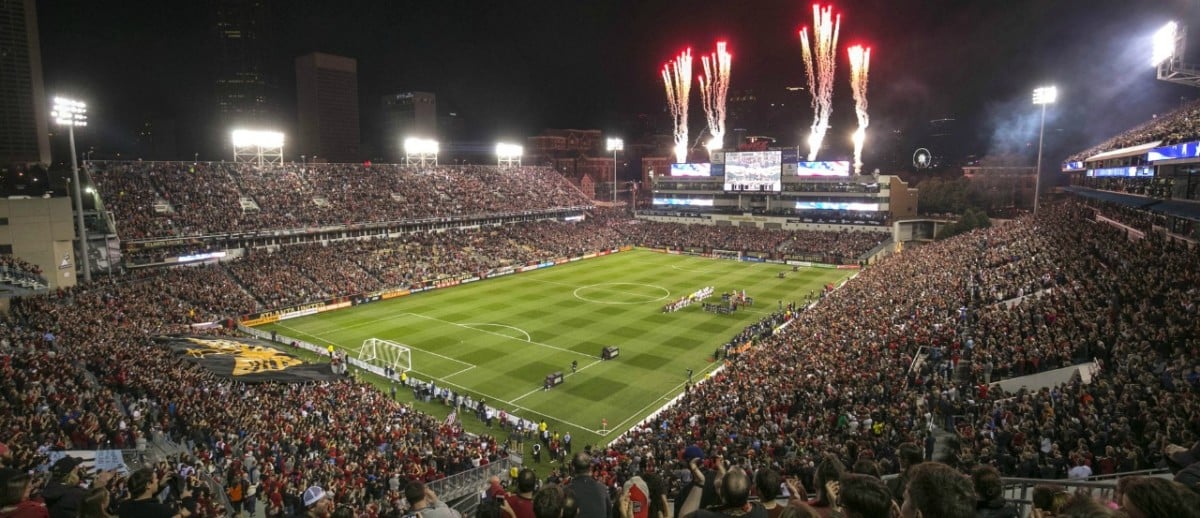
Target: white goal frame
x=386 y=353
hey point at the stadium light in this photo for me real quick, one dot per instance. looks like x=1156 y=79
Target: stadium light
x=1041 y=96
x=509 y=154
x=257 y=146
x=71 y=113
x=420 y=151
x=614 y=145
x=1164 y=44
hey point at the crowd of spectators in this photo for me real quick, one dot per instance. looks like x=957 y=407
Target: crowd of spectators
x=1154 y=187
x=174 y=199
x=839 y=380
x=80 y=371
x=15 y=270
x=837 y=247
x=1180 y=125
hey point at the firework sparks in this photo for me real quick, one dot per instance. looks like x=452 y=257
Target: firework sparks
x=714 y=88
x=677 y=77
x=860 y=65
x=820 y=60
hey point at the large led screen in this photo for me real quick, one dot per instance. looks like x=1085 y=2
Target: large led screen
x=753 y=171
x=684 y=201
x=835 y=168
x=836 y=205
x=690 y=170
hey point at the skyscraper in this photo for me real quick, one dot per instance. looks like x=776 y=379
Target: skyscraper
x=327 y=98
x=409 y=114
x=24 y=114
x=244 y=93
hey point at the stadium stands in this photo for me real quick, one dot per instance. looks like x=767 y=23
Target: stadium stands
x=80 y=370
x=1180 y=125
x=177 y=199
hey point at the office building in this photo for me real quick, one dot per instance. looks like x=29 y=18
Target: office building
x=327 y=98
x=24 y=112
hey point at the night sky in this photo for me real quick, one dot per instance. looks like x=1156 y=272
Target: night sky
x=512 y=69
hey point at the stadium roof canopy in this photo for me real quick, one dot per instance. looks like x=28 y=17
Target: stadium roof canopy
x=1180 y=209
x=1128 y=200
x=1139 y=149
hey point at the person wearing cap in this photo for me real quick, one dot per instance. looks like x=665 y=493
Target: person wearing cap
x=424 y=501
x=316 y=503
x=63 y=494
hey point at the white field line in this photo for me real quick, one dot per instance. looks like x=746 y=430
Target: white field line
x=539 y=344
x=535 y=391
x=620 y=426
x=318 y=337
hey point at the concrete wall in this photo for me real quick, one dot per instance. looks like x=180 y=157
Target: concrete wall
x=42 y=231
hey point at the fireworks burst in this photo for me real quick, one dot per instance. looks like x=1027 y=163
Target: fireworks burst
x=714 y=87
x=820 y=60
x=860 y=65
x=677 y=77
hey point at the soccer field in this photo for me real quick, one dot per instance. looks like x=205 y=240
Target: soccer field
x=498 y=339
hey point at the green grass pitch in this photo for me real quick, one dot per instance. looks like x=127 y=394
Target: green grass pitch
x=498 y=339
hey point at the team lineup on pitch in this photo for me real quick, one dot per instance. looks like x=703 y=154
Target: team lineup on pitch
x=496 y=341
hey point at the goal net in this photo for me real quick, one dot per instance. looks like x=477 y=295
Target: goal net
x=386 y=353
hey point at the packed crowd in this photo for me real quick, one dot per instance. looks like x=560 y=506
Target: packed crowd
x=834 y=247
x=839 y=381
x=1153 y=187
x=15 y=270
x=170 y=199
x=1180 y=125
x=15 y=265
x=80 y=371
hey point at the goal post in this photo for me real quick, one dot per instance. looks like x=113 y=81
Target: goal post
x=386 y=353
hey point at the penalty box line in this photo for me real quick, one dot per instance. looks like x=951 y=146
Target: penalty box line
x=501 y=335
x=442 y=356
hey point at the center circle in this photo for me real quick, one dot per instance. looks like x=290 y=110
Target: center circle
x=619 y=293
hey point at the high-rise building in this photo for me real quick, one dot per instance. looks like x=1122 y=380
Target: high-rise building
x=244 y=93
x=327 y=98
x=24 y=114
x=408 y=114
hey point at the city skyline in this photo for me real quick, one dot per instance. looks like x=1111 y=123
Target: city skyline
x=512 y=71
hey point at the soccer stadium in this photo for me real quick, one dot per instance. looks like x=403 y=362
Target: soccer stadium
x=765 y=319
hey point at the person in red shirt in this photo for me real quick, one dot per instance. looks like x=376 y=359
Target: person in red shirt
x=14 y=498
x=522 y=502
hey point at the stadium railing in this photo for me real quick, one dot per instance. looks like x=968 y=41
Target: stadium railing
x=1020 y=490
x=472 y=481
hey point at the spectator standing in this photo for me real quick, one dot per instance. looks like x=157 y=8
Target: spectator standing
x=936 y=490
x=990 y=494
x=143 y=485
x=591 y=496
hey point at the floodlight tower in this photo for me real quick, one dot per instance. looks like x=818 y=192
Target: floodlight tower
x=614 y=145
x=258 y=147
x=1041 y=96
x=71 y=113
x=420 y=151
x=509 y=154
x=1167 y=56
